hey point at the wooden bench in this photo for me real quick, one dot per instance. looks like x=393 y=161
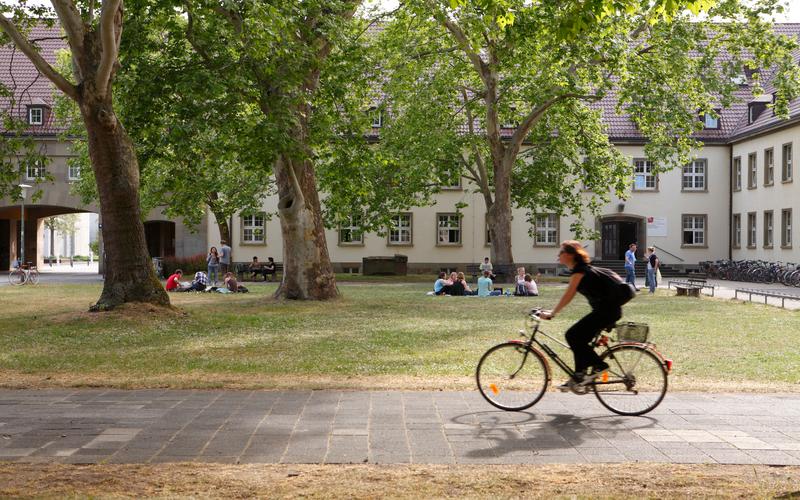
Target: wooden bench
x=778 y=294
x=691 y=282
x=688 y=290
x=474 y=270
x=243 y=270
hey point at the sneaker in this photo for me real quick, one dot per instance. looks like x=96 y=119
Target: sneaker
x=566 y=386
x=600 y=367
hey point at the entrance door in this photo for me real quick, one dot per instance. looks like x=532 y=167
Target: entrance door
x=5 y=244
x=616 y=236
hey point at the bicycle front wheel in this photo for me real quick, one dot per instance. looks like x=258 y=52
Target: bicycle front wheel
x=636 y=380
x=33 y=277
x=512 y=376
x=16 y=277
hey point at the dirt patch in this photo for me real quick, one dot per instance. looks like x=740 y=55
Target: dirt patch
x=201 y=380
x=132 y=311
x=401 y=481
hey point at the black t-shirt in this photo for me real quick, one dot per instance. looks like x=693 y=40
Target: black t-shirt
x=593 y=287
x=653 y=260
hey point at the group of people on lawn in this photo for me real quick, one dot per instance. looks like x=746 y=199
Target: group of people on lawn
x=457 y=285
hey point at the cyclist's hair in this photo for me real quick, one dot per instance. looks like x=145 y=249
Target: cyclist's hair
x=575 y=248
x=178 y=271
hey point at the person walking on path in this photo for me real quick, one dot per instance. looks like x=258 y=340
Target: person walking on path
x=224 y=257
x=630 y=266
x=652 y=268
x=213 y=261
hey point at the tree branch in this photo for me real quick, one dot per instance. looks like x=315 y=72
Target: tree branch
x=38 y=61
x=71 y=21
x=110 y=15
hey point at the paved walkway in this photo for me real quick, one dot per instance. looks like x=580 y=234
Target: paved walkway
x=153 y=426
x=726 y=289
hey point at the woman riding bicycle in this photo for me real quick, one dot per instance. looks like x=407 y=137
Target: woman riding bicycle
x=605 y=311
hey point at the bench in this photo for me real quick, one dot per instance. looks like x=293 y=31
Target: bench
x=474 y=270
x=766 y=294
x=688 y=290
x=691 y=283
x=243 y=270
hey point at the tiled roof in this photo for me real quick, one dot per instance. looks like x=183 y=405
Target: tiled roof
x=22 y=78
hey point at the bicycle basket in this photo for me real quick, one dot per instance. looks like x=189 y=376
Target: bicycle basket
x=632 y=332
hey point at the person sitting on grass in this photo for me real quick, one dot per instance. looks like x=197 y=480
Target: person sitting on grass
x=231 y=283
x=485 y=286
x=174 y=281
x=530 y=286
x=463 y=281
x=199 y=283
x=442 y=286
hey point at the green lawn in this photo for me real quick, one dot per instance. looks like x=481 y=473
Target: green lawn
x=377 y=335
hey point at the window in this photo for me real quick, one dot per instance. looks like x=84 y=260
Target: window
x=400 y=229
x=694 y=230
x=751 y=230
x=376 y=117
x=350 y=233
x=754 y=110
x=510 y=123
x=35 y=170
x=35 y=115
x=694 y=176
x=450 y=179
x=253 y=229
x=546 y=227
x=786 y=163
x=752 y=179
x=768 y=219
x=737 y=231
x=448 y=229
x=769 y=166
x=73 y=172
x=737 y=174
x=786 y=228
x=644 y=178
x=711 y=120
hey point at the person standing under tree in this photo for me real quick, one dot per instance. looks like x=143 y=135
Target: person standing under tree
x=224 y=257
x=212 y=259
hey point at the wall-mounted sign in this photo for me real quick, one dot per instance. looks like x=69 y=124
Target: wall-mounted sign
x=656 y=226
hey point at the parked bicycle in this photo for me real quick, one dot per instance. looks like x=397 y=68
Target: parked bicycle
x=514 y=375
x=26 y=274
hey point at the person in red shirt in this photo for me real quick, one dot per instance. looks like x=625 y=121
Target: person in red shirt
x=174 y=281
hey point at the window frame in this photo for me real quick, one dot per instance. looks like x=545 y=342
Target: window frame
x=736 y=231
x=355 y=228
x=706 y=115
x=31 y=109
x=752 y=170
x=646 y=175
x=768 y=233
x=769 y=167
x=373 y=112
x=245 y=226
x=70 y=168
x=704 y=218
x=400 y=229
x=556 y=229
x=737 y=173
x=460 y=229
x=695 y=176
x=39 y=167
x=787 y=173
x=752 y=229
x=786 y=229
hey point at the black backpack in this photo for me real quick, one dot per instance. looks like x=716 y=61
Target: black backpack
x=619 y=292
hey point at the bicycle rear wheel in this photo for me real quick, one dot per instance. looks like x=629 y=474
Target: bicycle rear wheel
x=33 y=277
x=16 y=277
x=636 y=381
x=512 y=376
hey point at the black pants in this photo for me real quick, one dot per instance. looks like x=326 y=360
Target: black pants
x=581 y=333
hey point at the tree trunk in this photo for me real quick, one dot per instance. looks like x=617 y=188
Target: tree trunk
x=499 y=214
x=129 y=275
x=307 y=270
x=224 y=229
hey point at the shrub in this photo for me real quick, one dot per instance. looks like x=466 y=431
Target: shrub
x=189 y=265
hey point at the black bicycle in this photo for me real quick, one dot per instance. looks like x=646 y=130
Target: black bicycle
x=514 y=375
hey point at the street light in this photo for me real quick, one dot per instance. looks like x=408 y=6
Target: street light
x=24 y=188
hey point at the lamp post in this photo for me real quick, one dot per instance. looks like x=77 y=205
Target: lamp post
x=24 y=188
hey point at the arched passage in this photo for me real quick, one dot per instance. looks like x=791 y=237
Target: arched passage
x=160 y=236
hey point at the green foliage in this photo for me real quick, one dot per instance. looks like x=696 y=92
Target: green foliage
x=64 y=224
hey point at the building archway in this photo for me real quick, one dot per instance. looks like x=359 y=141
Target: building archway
x=160 y=236
x=617 y=232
